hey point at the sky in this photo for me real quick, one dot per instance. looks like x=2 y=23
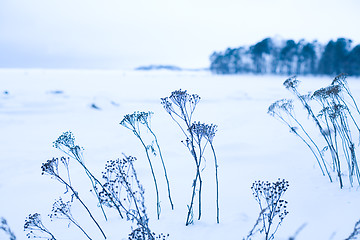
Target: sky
x=124 y=34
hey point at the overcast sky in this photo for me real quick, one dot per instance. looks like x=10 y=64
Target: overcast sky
x=125 y=34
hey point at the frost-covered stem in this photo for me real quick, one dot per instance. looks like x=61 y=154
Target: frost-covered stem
x=317 y=148
x=198 y=172
x=139 y=218
x=350 y=114
x=152 y=172
x=94 y=181
x=200 y=180
x=76 y=224
x=190 y=207
x=217 y=184
x=352 y=98
x=262 y=211
x=333 y=152
x=346 y=146
x=302 y=139
x=197 y=178
x=163 y=164
x=259 y=219
x=82 y=203
x=336 y=152
x=75 y=155
x=353 y=165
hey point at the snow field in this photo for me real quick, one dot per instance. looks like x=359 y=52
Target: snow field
x=250 y=145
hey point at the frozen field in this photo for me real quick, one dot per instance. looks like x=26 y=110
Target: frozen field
x=37 y=106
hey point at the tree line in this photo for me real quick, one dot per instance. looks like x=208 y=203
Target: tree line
x=288 y=57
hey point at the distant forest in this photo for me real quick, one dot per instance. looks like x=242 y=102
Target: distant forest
x=288 y=57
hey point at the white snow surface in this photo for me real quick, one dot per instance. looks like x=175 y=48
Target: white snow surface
x=251 y=145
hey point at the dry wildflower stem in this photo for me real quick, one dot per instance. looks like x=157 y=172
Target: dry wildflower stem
x=51 y=167
x=181 y=106
x=334 y=121
x=145 y=120
x=131 y=121
x=121 y=180
x=33 y=223
x=186 y=105
x=272 y=207
x=355 y=233
x=276 y=109
x=62 y=210
x=66 y=144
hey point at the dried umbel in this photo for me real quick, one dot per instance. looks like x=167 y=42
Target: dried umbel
x=285 y=105
x=185 y=103
x=331 y=91
x=51 y=167
x=67 y=140
x=333 y=112
x=62 y=210
x=273 y=209
x=181 y=98
x=340 y=80
x=122 y=183
x=291 y=83
x=203 y=130
x=131 y=121
x=35 y=228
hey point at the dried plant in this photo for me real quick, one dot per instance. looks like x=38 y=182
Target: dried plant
x=121 y=190
x=5 y=227
x=356 y=232
x=285 y=106
x=293 y=237
x=139 y=234
x=62 y=210
x=272 y=207
x=66 y=144
x=36 y=229
x=122 y=182
x=181 y=106
x=51 y=167
x=335 y=122
x=133 y=122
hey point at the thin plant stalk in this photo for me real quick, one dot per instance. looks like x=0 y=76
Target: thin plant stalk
x=75 y=155
x=82 y=230
x=217 y=183
x=291 y=84
x=48 y=168
x=153 y=175
x=274 y=113
x=163 y=164
x=64 y=209
x=131 y=122
x=186 y=105
x=317 y=148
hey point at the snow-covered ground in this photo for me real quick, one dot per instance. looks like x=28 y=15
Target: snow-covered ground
x=39 y=105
